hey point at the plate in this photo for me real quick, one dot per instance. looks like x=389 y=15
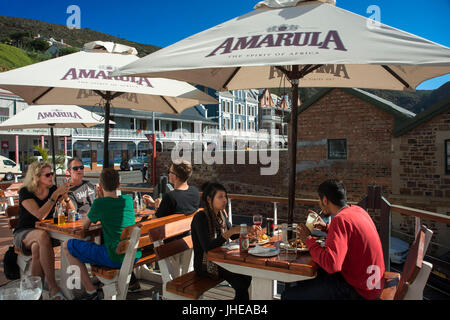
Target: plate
x=266 y=252
x=289 y=248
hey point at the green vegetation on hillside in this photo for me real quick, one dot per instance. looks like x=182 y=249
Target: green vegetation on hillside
x=10 y=26
x=12 y=57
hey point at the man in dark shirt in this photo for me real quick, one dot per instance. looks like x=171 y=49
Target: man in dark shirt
x=184 y=199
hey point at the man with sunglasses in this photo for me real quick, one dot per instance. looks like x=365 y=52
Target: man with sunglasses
x=82 y=193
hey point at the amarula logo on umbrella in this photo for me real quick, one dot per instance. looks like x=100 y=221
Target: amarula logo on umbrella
x=58 y=114
x=76 y=74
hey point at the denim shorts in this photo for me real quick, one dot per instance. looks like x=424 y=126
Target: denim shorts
x=92 y=253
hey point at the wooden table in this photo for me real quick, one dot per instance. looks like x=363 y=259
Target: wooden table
x=70 y=230
x=265 y=270
x=74 y=230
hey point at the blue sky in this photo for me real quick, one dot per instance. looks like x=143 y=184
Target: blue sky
x=164 y=22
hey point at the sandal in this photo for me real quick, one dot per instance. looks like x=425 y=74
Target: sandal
x=58 y=295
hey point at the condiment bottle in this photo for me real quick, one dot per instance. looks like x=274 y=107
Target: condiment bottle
x=243 y=239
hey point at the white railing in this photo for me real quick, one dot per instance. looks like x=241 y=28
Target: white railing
x=175 y=136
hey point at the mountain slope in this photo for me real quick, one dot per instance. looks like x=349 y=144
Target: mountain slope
x=74 y=37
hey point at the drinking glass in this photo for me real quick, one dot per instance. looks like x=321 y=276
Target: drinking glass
x=10 y=291
x=257 y=221
x=30 y=288
x=312 y=218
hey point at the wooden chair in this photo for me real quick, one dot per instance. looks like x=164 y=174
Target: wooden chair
x=134 y=237
x=23 y=261
x=410 y=283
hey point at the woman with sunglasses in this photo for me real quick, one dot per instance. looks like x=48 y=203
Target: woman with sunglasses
x=82 y=193
x=37 y=199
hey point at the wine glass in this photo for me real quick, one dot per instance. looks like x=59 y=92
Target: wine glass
x=257 y=221
x=30 y=288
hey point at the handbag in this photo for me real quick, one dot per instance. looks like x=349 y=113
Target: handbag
x=10 y=266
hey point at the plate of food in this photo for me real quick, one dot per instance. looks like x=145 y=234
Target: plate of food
x=263 y=251
x=294 y=244
x=262 y=239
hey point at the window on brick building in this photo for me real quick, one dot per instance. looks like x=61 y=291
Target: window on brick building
x=447 y=156
x=337 y=149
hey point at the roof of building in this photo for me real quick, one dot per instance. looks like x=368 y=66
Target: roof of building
x=400 y=114
x=430 y=113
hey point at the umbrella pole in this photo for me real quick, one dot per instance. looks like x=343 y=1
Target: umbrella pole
x=106 y=133
x=293 y=147
x=52 y=134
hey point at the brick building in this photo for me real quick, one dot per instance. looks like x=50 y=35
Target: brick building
x=355 y=136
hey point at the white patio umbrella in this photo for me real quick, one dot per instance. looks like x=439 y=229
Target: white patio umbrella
x=84 y=78
x=53 y=116
x=311 y=43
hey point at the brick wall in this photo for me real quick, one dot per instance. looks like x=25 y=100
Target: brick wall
x=368 y=130
x=421 y=155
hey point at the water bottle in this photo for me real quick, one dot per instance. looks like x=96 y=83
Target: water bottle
x=243 y=239
x=136 y=202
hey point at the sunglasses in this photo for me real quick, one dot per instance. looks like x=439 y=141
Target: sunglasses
x=77 y=168
x=171 y=172
x=50 y=174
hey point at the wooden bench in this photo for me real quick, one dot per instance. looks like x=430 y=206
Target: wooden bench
x=179 y=283
x=23 y=261
x=136 y=237
x=189 y=286
x=410 y=283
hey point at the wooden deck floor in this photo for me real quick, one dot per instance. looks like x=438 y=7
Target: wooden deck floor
x=149 y=289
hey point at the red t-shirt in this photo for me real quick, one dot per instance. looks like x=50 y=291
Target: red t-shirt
x=352 y=248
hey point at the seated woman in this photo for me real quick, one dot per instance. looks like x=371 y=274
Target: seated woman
x=37 y=199
x=184 y=199
x=210 y=229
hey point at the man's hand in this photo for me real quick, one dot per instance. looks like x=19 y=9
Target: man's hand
x=320 y=224
x=157 y=203
x=148 y=200
x=99 y=191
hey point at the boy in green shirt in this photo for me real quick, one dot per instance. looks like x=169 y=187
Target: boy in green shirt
x=115 y=213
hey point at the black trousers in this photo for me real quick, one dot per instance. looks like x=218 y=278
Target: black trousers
x=240 y=283
x=324 y=287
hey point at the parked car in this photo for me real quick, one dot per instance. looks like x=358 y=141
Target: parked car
x=132 y=164
x=8 y=168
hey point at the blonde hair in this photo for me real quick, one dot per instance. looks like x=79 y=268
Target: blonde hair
x=33 y=174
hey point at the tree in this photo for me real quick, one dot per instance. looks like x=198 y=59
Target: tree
x=39 y=45
x=59 y=159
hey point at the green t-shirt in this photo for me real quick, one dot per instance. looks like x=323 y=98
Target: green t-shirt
x=114 y=214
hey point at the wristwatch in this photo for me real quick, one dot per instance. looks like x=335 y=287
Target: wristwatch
x=51 y=200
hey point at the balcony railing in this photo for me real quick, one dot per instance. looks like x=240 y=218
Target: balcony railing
x=128 y=134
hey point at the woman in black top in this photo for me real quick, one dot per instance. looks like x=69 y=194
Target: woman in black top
x=210 y=229
x=37 y=199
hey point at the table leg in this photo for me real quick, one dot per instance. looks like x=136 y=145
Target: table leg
x=64 y=276
x=261 y=289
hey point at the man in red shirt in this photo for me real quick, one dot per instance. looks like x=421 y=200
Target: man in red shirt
x=352 y=265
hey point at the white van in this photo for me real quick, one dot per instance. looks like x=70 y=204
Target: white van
x=7 y=168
